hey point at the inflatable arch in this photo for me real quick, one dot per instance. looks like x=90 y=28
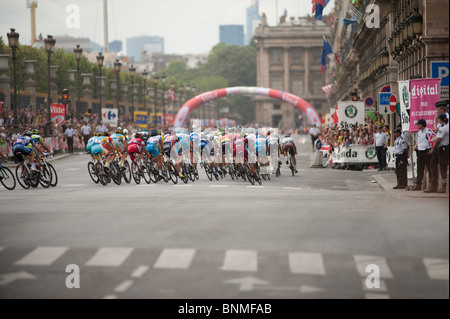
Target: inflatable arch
x=183 y=114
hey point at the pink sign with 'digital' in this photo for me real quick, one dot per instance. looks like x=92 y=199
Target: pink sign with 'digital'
x=424 y=96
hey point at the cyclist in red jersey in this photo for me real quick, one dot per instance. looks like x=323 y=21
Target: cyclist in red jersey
x=137 y=146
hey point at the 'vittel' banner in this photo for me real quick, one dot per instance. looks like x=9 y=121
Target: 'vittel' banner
x=350 y=114
x=424 y=94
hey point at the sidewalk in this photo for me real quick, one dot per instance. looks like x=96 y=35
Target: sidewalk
x=388 y=180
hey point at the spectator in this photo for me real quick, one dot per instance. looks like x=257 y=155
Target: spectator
x=380 y=144
x=70 y=133
x=314 y=132
x=86 y=132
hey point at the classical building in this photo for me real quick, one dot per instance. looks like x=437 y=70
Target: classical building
x=289 y=59
x=411 y=34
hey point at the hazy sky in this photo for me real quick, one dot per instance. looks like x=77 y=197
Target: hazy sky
x=188 y=26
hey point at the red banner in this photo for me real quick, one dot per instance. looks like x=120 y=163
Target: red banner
x=58 y=113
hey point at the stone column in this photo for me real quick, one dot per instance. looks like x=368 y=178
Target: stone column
x=72 y=92
x=287 y=74
x=103 y=86
x=30 y=85
x=87 y=93
x=125 y=97
x=53 y=86
x=5 y=82
x=135 y=96
x=307 y=66
x=113 y=87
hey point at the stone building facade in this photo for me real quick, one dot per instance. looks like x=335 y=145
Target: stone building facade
x=288 y=59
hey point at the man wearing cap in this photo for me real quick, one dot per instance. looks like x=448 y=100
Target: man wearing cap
x=424 y=149
x=401 y=160
x=441 y=108
x=380 y=144
x=441 y=142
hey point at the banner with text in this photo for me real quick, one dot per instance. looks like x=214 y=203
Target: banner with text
x=355 y=154
x=350 y=114
x=424 y=95
x=403 y=89
x=58 y=113
x=141 y=119
x=110 y=116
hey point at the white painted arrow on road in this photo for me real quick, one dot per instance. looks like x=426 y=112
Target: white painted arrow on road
x=247 y=283
x=6 y=279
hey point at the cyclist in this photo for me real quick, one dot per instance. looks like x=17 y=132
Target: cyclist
x=241 y=147
x=144 y=134
x=206 y=149
x=226 y=146
x=120 y=143
x=274 y=149
x=24 y=146
x=38 y=140
x=261 y=149
x=137 y=146
x=195 y=139
x=288 y=146
x=102 y=146
x=154 y=148
x=172 y=149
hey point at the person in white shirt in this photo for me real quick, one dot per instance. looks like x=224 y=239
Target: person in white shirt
x=425 y=138
x=86 y=132
x=441 y=144
x=70 y=133
x=401 y=160
x=380 y=144
x=314 y=132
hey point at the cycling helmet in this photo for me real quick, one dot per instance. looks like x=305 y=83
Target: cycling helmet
x=159 y=133
x=287 y=135
x=166 y=133
x=35 y=132
x=153 y=133
x=137 y=135
x=27 y=133
x=144 y=130
x=118 y=130
x=242 y=134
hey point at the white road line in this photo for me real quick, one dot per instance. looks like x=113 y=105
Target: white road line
x=140 y=271
x=256 y=187
x=241 y=260
x=74 y=185
x=292 y=188
x=306 y=263
x=110 y=297
x=175 y=259
x=72 y=169
x=42 y=256
x=124 y=286
x=219 y=186
x=182 y=185
x=377 y=296
x=341 y=187
x=363 y=261
x=109 y=257
x=383 y=287
x=437 y=269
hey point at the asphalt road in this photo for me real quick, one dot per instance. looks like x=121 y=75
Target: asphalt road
x=309 y=236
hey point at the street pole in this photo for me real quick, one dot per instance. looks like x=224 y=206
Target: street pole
x=78 y=52
x=155 y=81
x=163 y=77
x=13 y=40
x=144 y=77
x=132 y=70
x=49 y=45
x=100 y=59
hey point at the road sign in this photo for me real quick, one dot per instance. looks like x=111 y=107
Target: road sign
x=386 y=89
x=384 y=103
x=369 y=101
x=440 y=69
x=393 y=103
x=110 y=116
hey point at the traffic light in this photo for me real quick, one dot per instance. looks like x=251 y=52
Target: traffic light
x=354 y=95
x=65 y=96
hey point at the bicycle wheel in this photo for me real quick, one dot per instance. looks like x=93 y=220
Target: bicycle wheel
x=208 y=171
x=173 y=173
x=248 y=172
x=45 y=177
x=92 y=173
x=54 y=175
x=7 y=178
x=146 y=175
x=23 y=176
x=126 y=172
x=135 y=173
x=115 y=173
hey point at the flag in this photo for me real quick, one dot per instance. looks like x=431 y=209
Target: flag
x=335 y=116
x=371 y=115
x=319 y=5
x=327 y=89
x=171 y=95
x=326 y=50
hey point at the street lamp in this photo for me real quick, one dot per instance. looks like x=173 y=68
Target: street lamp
x=144 y=77
x=155 y=81
x=49 y=46
x=164 y=78
x=416 y=20
x=13 y=40
x=132 y=70
x=117 y=67
x=100 y=59
x=78 y=52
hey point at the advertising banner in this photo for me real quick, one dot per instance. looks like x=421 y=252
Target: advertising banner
x=424 y=95
x=141 y=119
x=403 y=89
x=110 y=116
x=58 y=113
x=357 y=154
x=350 y=114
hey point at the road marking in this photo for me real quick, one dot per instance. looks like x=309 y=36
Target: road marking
x=6 y=279
x=437 y=269
x=240 y=260
x=72 y=169
x=383 y=287
x=292 y=188
x=219 y=186
x=124 y=286
x=377 y=296
x=182 y=185
x=363 y=261
x=175 y=259
x=42 y=256
x=306 y=263
x=247 y=283
x=109 y=257
x=110 y=297
x=140 y=271
x=256 y=187
x=74 y=185
x=146 y=185
x=341 y=187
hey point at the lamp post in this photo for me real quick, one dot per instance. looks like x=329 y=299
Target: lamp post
x=13 y=41
x=155 y=82
x=144 y=77
x=172 y=88
x=117 y=67
x=100 y=59
x=78 y=52
x=132 y=70
x=49 y=46
x=164 y=78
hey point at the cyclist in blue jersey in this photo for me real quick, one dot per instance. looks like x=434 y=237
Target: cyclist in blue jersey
x=23 y=146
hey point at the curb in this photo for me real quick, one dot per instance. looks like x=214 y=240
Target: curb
x=387 y=187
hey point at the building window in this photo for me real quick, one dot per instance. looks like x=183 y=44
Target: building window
x=277 y=82
x=276 y=55
x=297 y=85
x=317 y=55
x=296 y=56
x=277 y=106
x=317 y=84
